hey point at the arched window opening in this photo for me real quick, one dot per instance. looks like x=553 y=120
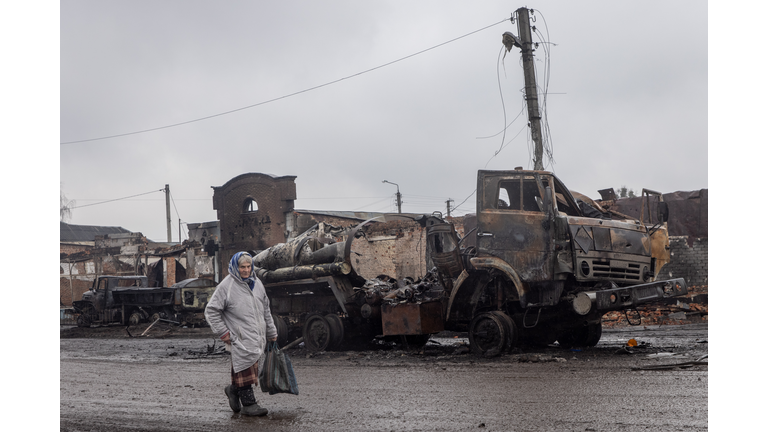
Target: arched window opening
x=250 y=206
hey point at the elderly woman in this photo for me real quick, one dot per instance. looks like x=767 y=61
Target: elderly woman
x=239 y=314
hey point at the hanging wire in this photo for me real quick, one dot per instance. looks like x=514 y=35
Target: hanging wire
x=288 y=95
x=525 y=127
x=465 y=200
x=546 y=133
x=178 y=216
x=117 y=199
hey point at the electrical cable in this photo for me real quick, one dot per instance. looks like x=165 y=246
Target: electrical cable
x=178 y=216
x=548 y=146
x=368 y=205
x=465 y=200
x=284 y=96
x=505 y=145
x=501 y=94
x=117 y=199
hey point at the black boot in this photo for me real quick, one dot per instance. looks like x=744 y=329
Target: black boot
x=250 y=407
x=234 y=400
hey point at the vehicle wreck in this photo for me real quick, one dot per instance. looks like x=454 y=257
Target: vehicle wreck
x=540 y=265
x=129 y=300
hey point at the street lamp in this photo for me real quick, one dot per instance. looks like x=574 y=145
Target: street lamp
x=399 y=202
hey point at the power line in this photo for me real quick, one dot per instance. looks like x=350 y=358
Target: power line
x=285 y=96
x=178 y=216
x=118 y=199
x=465 y=200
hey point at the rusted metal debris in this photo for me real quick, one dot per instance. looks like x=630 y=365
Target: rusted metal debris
x=390 y=291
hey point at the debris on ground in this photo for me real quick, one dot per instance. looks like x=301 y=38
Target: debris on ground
x=538 y=358
x=631 y=346
x=684 y=365
x=210 y=350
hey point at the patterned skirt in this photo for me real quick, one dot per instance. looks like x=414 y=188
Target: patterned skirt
x=245 y=377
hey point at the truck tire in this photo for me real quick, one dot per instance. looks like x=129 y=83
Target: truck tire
x=510 y=327
x=84 y=320
x=586 y=336
x=134 y=318
x=316 y=333
x=487 y=334
x=282 y=330
x=337 y=330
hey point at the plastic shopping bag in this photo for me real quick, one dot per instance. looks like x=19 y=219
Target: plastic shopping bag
x=276 y=372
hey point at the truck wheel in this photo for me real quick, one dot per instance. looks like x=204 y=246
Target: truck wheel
x=84 y=320
x=487 y=334
x=586 y=336
x=134 y=318
x=282 y=330
x=316 y=333
x=510 y=327
x=337 y=330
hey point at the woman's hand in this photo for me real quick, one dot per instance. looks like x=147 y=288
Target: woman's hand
x=226 y=339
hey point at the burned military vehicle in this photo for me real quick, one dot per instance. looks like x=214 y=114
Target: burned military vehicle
x=128 y=300
x=538 y=269
x=541 y=265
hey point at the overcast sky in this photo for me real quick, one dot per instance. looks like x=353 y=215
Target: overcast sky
x=626 y=103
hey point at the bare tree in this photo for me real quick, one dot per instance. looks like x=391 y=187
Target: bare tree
x=65 y=207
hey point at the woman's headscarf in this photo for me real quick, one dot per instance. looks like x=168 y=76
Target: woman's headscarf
x=234 y=264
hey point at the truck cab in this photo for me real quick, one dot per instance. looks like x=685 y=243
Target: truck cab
x=533 y=222
x=98 y=304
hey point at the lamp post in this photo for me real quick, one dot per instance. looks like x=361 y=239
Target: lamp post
x=399 y=202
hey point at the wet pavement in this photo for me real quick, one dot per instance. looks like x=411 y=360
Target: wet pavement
x=160 y=384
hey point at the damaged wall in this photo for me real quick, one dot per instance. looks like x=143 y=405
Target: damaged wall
x=251 y=210
x=689 y=260
x=395 y=249
x=203 y=250
x=688 y=211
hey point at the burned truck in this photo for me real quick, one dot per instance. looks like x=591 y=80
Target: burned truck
x=128 y=300
x=542 y=265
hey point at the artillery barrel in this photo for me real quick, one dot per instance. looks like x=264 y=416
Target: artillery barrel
x=303 y=272
x=284 y=255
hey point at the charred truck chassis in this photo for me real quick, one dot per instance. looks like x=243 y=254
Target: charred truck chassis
x=128 y=300
x=536 y=270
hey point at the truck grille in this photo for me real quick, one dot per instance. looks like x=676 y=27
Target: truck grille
x=625 y=271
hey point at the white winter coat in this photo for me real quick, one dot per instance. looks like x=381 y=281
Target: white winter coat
x=245 y=314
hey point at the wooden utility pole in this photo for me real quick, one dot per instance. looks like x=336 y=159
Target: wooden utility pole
x=525 y=43
x=168 y=211
x=448 y=207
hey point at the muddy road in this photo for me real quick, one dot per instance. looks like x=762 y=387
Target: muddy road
x=174 y=381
